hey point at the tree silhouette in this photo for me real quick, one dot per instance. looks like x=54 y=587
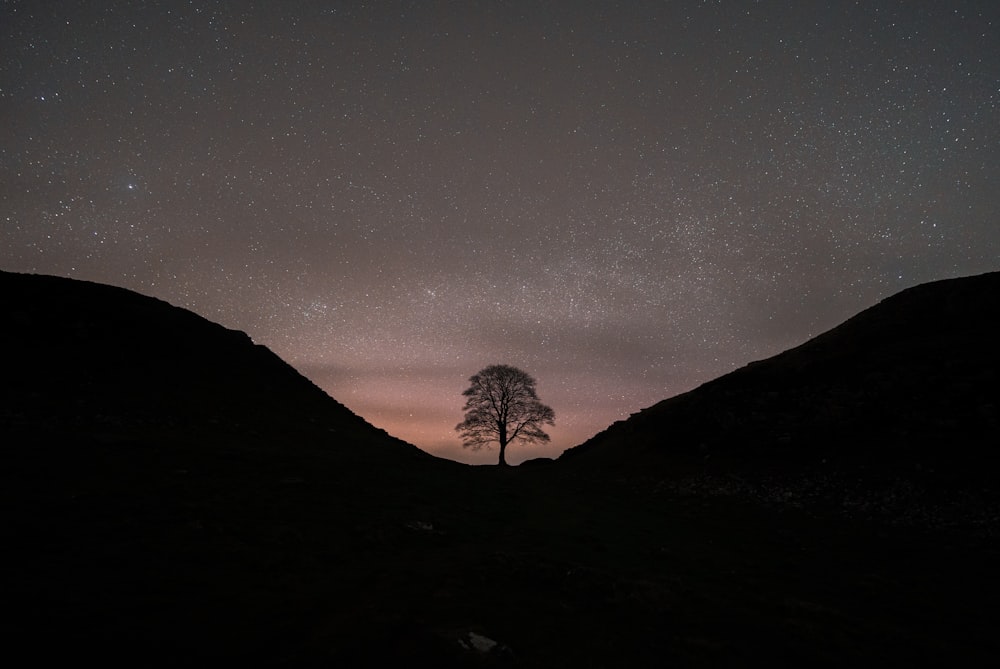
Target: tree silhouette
x=502 y=407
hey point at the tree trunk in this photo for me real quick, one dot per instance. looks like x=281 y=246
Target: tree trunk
x=503 y=444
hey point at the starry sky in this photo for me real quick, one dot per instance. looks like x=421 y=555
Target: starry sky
x=624 y=199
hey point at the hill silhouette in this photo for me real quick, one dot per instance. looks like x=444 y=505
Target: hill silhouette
x=174 y=494
x=160 y=472
x=907 y=388
x=89 y=361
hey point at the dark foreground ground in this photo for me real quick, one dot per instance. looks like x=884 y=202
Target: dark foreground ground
x=171 y=549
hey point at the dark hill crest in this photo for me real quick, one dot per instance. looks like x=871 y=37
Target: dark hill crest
x=86 y=360
x=912 y=382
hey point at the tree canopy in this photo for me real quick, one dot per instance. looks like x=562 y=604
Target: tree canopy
x=502 y=406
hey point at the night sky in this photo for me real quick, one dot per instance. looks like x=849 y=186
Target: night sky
x=624 y=199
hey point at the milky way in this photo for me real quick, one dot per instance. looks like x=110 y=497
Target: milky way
x=623 y=199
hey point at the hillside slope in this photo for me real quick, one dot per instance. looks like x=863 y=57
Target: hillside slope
x=90 y=361
x=912 y=383
x=171 y=490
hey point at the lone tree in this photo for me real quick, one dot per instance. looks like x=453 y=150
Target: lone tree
x=502 y=406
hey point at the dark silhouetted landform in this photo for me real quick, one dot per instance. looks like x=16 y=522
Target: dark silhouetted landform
x=92 y=362
x=906 y=390
x=175 y=495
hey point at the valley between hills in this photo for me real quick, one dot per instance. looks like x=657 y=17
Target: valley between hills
x=174 y=493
